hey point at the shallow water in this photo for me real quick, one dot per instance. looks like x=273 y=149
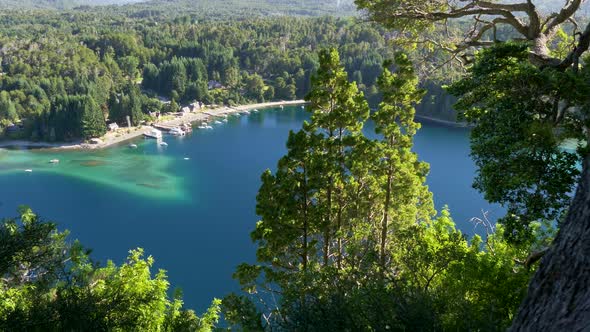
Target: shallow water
x=195 y=216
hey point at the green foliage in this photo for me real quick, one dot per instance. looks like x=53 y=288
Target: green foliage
x=522 y=118
x=47 y=59
x=348 y=240
x=49 y=284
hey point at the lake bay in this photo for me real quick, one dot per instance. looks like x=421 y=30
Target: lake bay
x=191 y=205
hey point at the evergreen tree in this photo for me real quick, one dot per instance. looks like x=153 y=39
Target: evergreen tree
x=407 y=200
x=93 y=123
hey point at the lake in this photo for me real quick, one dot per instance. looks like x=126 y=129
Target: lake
x=191 y=205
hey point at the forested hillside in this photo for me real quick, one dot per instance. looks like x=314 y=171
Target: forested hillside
x=60 y=4
x=206 y=8
x=122 y=65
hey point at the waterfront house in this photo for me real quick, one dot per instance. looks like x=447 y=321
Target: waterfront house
x=195 y=107
x=95 y=141
x=12 y=128
x=215 y=85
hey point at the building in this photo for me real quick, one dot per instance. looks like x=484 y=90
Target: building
x=215 y=85
x=195 y=106
x=96 y=141
x=12 y=128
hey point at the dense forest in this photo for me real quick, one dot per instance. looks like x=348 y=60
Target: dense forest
x=125 y=65
x=201 y=8
x=348 y=237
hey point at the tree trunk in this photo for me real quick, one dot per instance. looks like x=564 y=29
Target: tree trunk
x=559 y=295
x=385 y=221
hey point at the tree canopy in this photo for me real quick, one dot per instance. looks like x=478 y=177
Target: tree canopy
x=526 y=96
x=349 y=239
x=49 y=283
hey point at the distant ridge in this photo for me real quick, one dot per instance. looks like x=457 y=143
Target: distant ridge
x=60 y=4
x=182 y=7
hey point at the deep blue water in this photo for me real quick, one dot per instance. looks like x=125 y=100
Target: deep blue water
x=201 y=238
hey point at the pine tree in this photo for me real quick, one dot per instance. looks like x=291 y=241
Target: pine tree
x=339 y=111
x=93 y=124
x=406 y=198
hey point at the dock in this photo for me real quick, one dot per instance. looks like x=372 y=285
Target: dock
x=164 y=127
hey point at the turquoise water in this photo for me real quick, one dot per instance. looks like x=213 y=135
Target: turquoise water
x=194 y=216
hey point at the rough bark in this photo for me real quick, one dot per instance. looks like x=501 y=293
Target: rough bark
x=559 y=295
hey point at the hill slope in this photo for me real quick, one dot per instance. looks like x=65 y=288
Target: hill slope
x=198 y=8
x=60 y=4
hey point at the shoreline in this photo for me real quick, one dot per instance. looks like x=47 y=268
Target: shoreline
x=448 y=123
x=126 y=134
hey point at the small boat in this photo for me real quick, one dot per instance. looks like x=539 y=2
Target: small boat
x=302 y=107
x=133 y=146
x=177 y=131
x=255 y=110
x=187 y=158
x=163 y=144
x=28 y=170
x=154 y=133
x=54 y=161
x=218 y=122
x=224 y=120
x=186 y=127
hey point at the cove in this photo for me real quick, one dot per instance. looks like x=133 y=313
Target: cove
x=194 y=216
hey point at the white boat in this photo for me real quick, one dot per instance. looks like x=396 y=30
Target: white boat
x=186 y=127
x=54 y=161
x=163 y=144
x=302 y=107
x=255 y=110
x=177 y=131
x=187 y=158
x=28 y=170
x=224 y=120
x=153 y=133
x=218 y=122
x=133 y=146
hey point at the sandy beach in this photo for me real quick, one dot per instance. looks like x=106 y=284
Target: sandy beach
x=124 y=134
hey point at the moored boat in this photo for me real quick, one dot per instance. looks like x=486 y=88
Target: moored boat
x=153 y=133
x=186 y=127
x=54 y=161
x=176 y=131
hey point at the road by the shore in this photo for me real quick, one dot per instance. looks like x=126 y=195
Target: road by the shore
x=124 y=134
